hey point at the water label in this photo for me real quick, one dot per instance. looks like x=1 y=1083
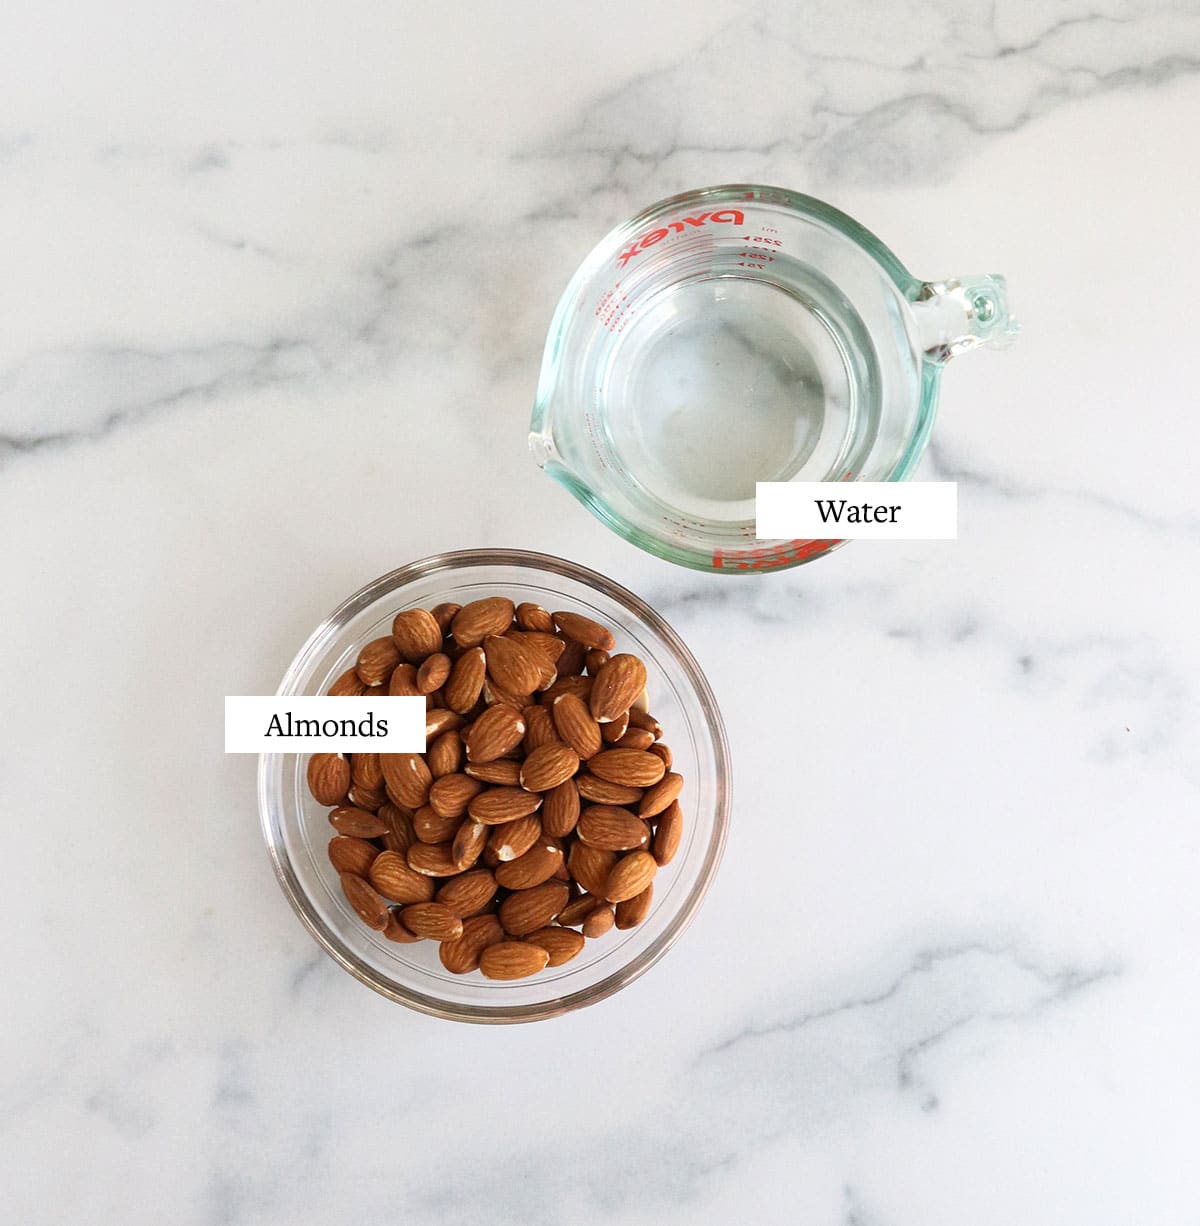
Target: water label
x=857 y=510
x=324 y=724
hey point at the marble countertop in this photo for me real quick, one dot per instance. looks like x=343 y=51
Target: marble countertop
x=275 y=285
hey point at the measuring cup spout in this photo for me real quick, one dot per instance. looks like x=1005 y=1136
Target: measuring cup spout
x=954 y=316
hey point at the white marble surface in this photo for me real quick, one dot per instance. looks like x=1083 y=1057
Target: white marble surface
x=275 y=284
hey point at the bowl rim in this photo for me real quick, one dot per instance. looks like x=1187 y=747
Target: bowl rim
x=270 y=769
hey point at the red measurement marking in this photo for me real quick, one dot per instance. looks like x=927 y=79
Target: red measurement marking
x=612 y=308
x=765 y=559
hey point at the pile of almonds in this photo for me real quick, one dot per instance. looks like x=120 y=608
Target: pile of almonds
x=542 y=807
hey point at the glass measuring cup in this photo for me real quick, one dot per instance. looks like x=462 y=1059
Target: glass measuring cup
x=740 y=334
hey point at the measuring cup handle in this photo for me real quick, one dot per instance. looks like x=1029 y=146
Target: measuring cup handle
x=954 y=316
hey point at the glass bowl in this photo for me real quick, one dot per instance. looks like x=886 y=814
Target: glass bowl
x=297 y=829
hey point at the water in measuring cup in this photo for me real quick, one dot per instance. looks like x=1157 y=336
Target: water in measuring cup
x=722 y=379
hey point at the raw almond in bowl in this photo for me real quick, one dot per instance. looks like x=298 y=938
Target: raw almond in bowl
x=655 y=902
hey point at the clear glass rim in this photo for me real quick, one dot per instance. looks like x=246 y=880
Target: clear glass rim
x=270 y=771
x=768 y=556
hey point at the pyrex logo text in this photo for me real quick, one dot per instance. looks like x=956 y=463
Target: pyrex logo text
x=736 y=216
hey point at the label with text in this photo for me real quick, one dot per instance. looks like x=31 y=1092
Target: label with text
x=312 y=724
x=857 y=510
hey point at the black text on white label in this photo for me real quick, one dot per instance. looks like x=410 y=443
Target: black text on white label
x=857 y=510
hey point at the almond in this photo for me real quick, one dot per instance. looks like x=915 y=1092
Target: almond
x=469 y=841
x=632 y=911
x=628 y=767
x=403 y=682
x=572 y=660
x=595 y=660
x=465 y=683
x=630 y=876
x=512 y=839
x=578 y=909
x=474 y=622
x=581 y=687
x=432 y=827
x=512 y=664
x=461 y=956
x=548 y=766
x=439 y=720
x=407 y=778
x=391 y=875
x=601 y=792
x=399 y=835
x=450 y=795
x=364 y=798
x=351 y=855
x=432 y=920
x=444 y=755
x=503 y=771
x=548 y=677
x=599 y=921
x=636 y=738
x=534 y=617
x=328 y=777
x=365 y=771
x=639 y=719
x=468 y=893
x=349 y=684
x=590 y=866
x=512 y=960
x=538 y=864
x=617 y=684
x=661 y=795
x=432 y=859
x=615 y=729
x=612 y=829
x=359 y=823
x=499 y=805
x=562 y=944
x=549 y=646
x=376 y=661
x=561 y=810
x=396 y=931
x=371 y=909
x=528 y=910
x=434 y=671
x=444 y=614
x=497 y=696
x=576 y=726
x=392 y=843
x=539 y=729
x=583 y=630
x=668 y=833
x=494 y=733
x=416 y=634
x=659 y=750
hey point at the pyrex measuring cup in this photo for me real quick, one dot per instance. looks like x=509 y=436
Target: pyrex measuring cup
x=741 y=334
